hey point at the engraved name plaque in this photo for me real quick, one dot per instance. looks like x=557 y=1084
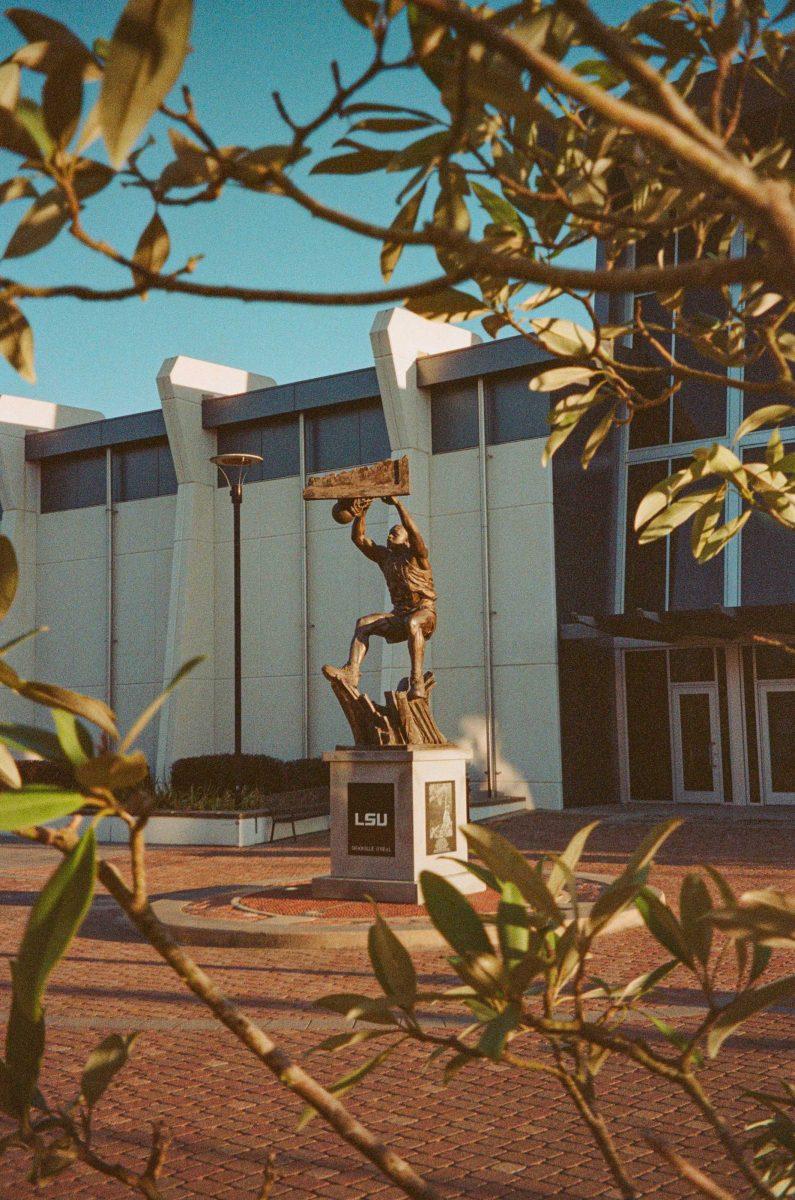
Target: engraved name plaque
x=371 y=819
x=440 y=817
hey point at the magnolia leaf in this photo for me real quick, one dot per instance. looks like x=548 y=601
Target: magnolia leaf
x=447 y=304
x=43 y=221
x=497 y=1031
x=405 y=220
x=644 y=853
x=501 y=211
x=144 y=60
x=92 y=128
x=95 y=711
x=36 y=804
x=9 y=85
x=32 y=740
x=31 y=115
x=559 y=377
x=453 y=916
x=341 y=1086
x=771 y=414
x=73 y=737
x=706 y=521
x=695 y=904
x=723 y=534
x=24 y=1052
x=538 y=298
x=663 y=925
x=23 y=637
x=15 y=136
x=391 y=124
x=152 y=250
x=392 y=963
x=54 y=920
x=365 y=12
x=37 y=27
x=103 y=1063
x=16 y=189
x=9 y=771
x=510 y=866
x=9 y=575
x=569 y=860
x=746 y=1005
x=358 y=162
x=762 y=304
x=595 y=439
x=675 y=515
x=663 y=492
x=513 y=924
x=16 y=340
x=138 y=726
x=91 y=177
x=564 y=337
x=418 y=154
x=62 y=100
x=555 y=441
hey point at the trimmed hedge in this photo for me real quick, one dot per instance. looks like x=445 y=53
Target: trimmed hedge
x=256 y=772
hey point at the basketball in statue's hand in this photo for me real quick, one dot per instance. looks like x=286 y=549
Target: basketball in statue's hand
x=342 y=512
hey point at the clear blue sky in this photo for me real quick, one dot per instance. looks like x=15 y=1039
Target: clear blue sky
x=106 y=356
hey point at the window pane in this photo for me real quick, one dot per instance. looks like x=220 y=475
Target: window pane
x=780 y=724
x=373 y=435
x=692 y=584
x=763 y=369
x=648 y=726
x=695 y=720
x=650 y=426
x=767 y=554
x=241 y=439
x=699 y=406
x=454 y=418
x=135 y=471
x=74 y=481
x=280 y=448
x=513 y=412
x=644 y=579
x=774 y=664
x=332 y=440
x=167 y=476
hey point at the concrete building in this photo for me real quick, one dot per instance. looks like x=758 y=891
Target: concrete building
x=578 y=668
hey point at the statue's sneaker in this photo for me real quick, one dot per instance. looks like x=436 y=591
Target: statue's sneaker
x=346 y=675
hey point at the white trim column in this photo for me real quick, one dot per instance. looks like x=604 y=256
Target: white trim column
x=187 y=721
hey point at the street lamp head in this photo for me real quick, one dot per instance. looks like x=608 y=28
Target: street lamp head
x=235 y=467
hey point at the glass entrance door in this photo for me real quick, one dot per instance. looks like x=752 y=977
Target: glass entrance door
x=776 y=706
x=697 y=774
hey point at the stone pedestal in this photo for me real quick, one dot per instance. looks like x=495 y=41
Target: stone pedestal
x=395 y=811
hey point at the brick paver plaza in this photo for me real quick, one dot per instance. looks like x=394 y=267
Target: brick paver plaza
x=490 y=1133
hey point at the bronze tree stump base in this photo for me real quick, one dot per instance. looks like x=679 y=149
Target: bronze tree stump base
x=398 y=722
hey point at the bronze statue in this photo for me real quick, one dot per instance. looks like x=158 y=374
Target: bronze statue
x=407 y=570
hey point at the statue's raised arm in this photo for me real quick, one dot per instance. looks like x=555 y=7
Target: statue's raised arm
x=416 y=540
x=359 y=536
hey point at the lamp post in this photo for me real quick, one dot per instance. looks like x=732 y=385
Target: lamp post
x=234 y=468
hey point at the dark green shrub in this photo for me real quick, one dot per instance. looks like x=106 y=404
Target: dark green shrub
x=226 y=772
x=305 y=773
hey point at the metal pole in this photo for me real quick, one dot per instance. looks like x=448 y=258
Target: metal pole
x=304 y=592
x=488 y=665
x=236 y=492
x=109 y=580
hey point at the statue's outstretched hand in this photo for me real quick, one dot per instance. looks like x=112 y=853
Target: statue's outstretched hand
x=389 y=500
x=360 y=506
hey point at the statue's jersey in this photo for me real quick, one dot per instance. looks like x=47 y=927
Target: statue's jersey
x=410 y=585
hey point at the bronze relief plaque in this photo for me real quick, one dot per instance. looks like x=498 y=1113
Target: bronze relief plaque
x=371 y=819
x=440 y=832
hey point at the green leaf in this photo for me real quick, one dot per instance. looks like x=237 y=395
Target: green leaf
x=595 y=439
x=32 y=740
x=676 y=514
x=453 y=916
x=770 y=414
x=24 y=1052
x=341 y=1086
x=9 y=771
x=18 y=188
x=103 y=1063
x=448 y=304
x=355 y=1007
x=656 y=837
x=513 y=924
x=746 y=1005
x=91 y=177
x=365 y=12
x=16 y=340
x=31 y=115
x=36 y=804
x=510 y=866
x=501 y=211
x=495 y=1035
x=480 y=872
x=62 y=99
x=564 y=337
x=113 y=771
x=144 y=60
x=559 y=377
x=643 y=984
x=358 y=162
x=9 y=575
x=54 y=920
x=10 y=73
x=138 y=726
x=663 y=925
x=695 y=904
x=342 y=1041
x=418 y=154
x=720 y=536
x=405 y=220
x=392 y=963
x=22 y=637
x=43 y=221
x=151 y=251
x=569 y=860
x=73 y=737
x=391 y=124
x=15 y=135
x=95 y=711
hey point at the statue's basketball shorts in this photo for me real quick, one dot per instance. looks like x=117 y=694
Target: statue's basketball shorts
x=396 y=625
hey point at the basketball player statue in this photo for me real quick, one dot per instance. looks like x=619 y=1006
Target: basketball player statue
x=407 y=570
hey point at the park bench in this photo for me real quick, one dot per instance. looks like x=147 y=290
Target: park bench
x=289 y=807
